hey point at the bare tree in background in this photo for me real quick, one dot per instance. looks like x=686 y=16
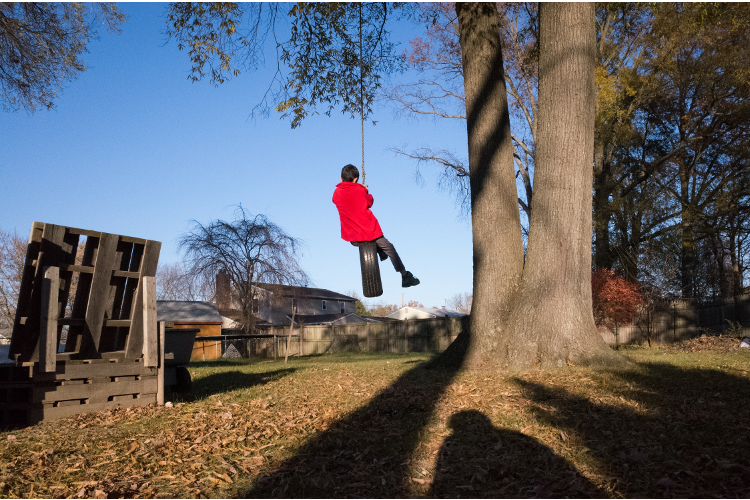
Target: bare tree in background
x=250 y=249
x=381 y=309
x=461 y=302
x=12 y=255
x=439 y=91
x=177 y=281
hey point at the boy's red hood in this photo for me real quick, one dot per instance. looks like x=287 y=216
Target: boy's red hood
x=357 y=221
x=350 y=185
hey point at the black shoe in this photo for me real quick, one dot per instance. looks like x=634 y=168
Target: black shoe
x=408 y=279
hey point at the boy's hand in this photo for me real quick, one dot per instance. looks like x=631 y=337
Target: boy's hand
x=365 y=185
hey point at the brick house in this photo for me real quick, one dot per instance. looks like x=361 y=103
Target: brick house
x=273 y=303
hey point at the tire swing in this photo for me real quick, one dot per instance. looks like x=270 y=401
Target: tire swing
x=368 y=250
x=368 y=261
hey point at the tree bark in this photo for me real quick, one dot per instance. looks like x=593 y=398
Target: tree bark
x=536 y=314
x=498 y=247
x=552 y=323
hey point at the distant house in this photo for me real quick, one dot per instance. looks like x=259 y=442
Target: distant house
x=379 y=319
x=424 y=313
x=194 y=314
x=274 y=303
x=327 y=319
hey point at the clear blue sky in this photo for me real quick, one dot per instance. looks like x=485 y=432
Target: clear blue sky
x=134 y=148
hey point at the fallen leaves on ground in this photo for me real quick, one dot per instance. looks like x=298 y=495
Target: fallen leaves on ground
x=705 y=343
x=379 y=426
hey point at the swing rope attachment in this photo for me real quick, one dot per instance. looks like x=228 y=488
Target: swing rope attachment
x=361 y=95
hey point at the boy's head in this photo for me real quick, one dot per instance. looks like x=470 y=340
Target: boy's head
x=349 y=173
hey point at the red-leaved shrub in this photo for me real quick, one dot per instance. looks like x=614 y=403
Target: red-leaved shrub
x=615 y=300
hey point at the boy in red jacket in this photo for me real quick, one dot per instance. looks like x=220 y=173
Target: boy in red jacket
x=358 y=224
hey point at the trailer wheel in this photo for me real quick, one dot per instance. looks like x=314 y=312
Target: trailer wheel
x=184 y=382
x=368 y=261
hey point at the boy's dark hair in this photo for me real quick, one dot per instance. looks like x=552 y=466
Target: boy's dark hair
x=349 y=173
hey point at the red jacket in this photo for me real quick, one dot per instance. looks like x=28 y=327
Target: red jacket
x=357 y=221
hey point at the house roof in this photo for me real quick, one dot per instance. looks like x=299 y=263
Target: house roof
x=322 y=319
x=187 y=311
x=432 y=311
x=303 y=292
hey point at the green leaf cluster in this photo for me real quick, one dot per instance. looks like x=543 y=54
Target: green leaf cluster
x=336 y=54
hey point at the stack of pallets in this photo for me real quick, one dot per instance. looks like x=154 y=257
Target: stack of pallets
x=111 y=353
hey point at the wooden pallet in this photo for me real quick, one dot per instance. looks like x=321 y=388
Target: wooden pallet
x=29 y=396
x=107 y=312
x=111 y=355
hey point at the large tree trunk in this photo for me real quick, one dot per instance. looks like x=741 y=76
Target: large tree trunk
x=498 y=247
x=548 y=321
x=552 y=323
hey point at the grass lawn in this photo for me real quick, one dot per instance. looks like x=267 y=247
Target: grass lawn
x=676 y=425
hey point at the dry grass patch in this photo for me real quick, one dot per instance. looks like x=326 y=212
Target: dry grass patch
x=383 y=426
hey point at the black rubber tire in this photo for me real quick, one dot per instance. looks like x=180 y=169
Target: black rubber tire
x=368 y=261
x=184 y=382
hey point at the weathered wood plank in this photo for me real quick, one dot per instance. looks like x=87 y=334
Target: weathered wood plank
x=51 y=413
x=85 y=232
x=95 y=393
x=112 y=337
x=68 y=371
x=75 y=268
x=133 y=265
x=150 y=331
x=66 y=257
x=126 y=274
x=26 y=344
x=160 y=373
x=148 y=265
x=131 y=239
x=98 y=296
x=105 y=356
x=81 y=300
x=50 y=313
x=117 y=323
x=18 y=338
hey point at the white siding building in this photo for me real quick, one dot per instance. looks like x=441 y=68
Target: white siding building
x=423 y=313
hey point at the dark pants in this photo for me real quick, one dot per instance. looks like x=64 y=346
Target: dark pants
x=386 y=250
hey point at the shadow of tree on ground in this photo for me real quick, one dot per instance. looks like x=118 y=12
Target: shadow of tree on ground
x=665 y=432
x=368 y=451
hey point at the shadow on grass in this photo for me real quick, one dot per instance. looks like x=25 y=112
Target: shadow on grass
x=478 y=459
x=228 y=381
x=688 y=435
x=215 y=363
x=367 y=454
